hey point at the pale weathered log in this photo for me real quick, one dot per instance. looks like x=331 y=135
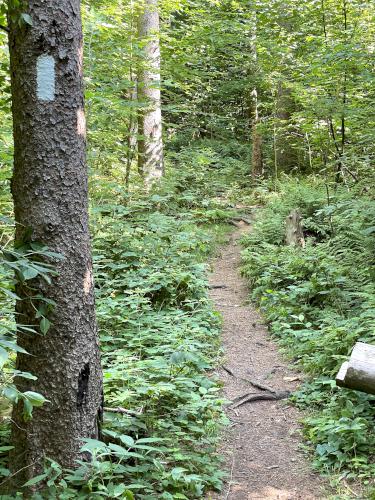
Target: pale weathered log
x=359 y=372
x=294 y=232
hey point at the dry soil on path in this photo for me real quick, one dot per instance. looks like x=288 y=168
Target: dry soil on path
x=262 y=444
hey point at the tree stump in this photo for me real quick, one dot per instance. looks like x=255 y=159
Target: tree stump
x=294 y=232
x=359 y=372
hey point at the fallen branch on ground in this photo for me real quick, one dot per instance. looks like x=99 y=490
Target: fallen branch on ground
x=258 y=385
x=251 y=397
x=228 y=370
x=254 y=383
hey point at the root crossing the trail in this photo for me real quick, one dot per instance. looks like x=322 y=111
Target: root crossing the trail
x=262 y=443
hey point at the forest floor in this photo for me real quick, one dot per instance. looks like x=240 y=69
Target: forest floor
x=262 y=445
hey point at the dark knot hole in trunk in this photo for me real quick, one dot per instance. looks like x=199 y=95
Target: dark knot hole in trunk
x=83 y=384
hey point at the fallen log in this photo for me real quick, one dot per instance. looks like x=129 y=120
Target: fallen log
x=359 y=372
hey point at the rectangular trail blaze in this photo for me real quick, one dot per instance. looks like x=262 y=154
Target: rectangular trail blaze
x=46 y=78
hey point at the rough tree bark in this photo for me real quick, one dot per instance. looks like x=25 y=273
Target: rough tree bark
x=49 y=188
x=150 y=142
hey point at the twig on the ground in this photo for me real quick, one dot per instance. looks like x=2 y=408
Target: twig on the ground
x=228 y=370
x=251 y=397
x=258 y=385
x=254 y=383
x=239 y=398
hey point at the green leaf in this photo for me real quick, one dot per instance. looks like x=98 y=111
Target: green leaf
x=28 y=273
x=94 y=445
x=26 y=375
x=27 y=410
x=3 y=357
x=13 y=346
x=27 y=18
x=35 y=398
x=368 y=231
x=45 y=325
x=11 y=393
x=128 y=440
x=5 y=448
x=10 y=294
x=119 y=490
x=4 y=472
x=35 y=480
x=150 y=440
x=119 y=450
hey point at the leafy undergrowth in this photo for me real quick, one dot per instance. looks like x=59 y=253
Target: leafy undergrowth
x=160 y=336
x=319 y=300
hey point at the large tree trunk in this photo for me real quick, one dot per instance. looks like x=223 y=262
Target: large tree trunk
x=50 y=195
x=150 y=142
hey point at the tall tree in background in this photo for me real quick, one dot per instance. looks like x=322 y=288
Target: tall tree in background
x=49 y=188
x=150 y=142
x=257 y=153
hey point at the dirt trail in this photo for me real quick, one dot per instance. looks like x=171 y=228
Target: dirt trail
x=261 y=446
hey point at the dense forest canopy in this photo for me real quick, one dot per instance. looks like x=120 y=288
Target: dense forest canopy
x=201 y=114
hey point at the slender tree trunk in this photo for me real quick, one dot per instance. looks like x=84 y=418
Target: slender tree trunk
x=257 y=170
x=339 y=148
x=257 y=155
x=341 y=162
x=150 y=142
x=50 y=196
x=131 y=138
x=131 y=132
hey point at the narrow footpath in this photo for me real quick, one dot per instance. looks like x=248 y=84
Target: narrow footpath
x=262 y=443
